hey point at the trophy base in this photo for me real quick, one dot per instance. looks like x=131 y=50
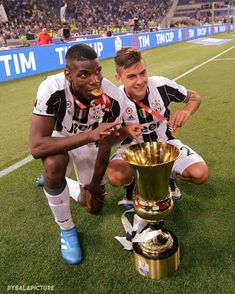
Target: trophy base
x=159 y=265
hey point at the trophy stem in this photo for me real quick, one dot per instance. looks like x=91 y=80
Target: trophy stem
x=157 y=225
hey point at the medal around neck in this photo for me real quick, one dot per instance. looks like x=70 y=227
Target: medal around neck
x=97 y=92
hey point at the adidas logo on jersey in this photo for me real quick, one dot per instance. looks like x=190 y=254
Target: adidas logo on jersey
x=130 y=117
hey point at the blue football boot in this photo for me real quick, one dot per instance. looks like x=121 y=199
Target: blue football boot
x=128 y=199
x=127 y=204
x=70 y=246
x=40 y=181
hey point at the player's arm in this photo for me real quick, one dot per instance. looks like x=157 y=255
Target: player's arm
x=101 y=164
x=102 y=161
x=42 y=144
x=180 y=117
x=133 y=131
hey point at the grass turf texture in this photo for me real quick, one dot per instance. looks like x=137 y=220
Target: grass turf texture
x=203 y=221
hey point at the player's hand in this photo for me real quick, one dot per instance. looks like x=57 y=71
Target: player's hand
x=179 y=118
x=95 y=195
x=95 y=190
x=133 y=131
x=104 y=130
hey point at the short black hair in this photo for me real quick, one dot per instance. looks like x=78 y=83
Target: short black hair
x=80 y=52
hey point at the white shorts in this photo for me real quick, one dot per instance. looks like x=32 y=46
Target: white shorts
x=187 y=156
x=83 y=160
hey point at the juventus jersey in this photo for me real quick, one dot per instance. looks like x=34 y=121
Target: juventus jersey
x=161 y=92
x=55 y=99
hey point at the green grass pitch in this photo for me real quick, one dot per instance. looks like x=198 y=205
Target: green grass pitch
x=203 y=220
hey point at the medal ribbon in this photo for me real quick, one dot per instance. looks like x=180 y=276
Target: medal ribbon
x=155 y=114
x=103 y=100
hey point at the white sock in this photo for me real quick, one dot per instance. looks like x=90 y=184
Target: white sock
x=60 y=207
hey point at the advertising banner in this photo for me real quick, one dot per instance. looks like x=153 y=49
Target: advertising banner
x=28 y=61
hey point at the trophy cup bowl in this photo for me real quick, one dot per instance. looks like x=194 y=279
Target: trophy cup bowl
x=152 y=163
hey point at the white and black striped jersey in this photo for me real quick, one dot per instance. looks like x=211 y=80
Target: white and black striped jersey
x=161 y=92
x=55 y=99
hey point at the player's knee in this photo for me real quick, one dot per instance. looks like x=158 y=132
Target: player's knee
x=202 y=178
x=55 y=166
x=200 y=175
x=196 y=173
x=113 y=177
x=117 y=177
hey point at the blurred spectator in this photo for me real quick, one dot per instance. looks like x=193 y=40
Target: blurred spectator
x=44 y=37
x=63 y=12
x=136 y=25
x=64 y=33
x=109 y=32
x=30 y=36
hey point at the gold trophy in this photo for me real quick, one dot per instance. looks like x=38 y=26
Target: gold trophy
x=152 y=163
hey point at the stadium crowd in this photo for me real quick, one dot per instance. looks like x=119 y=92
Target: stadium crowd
x=85 y=17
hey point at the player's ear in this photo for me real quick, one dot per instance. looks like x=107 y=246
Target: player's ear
x=118 y=78
x=67 y=74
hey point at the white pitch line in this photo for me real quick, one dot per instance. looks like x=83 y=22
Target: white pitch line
x=16 y=165
x=224 y=59
x=30 y=158
x=203 y=63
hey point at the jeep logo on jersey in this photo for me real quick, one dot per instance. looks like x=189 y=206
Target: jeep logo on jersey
x=75 y=128
x=149 y=127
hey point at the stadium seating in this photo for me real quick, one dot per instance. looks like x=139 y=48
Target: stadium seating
x=200 y=11
x=27 y=18
x=85 y=17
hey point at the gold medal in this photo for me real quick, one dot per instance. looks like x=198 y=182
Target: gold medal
x=175 y=132
x=97 y=92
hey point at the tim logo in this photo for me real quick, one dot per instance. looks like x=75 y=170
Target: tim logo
x=134 y=42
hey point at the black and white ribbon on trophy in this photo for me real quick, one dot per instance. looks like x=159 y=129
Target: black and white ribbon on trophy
x=138 y=232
